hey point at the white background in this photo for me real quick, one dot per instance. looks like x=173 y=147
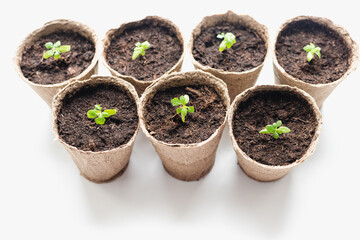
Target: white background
x=44 y=197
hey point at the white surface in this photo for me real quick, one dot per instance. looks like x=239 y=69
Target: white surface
x=43 y=195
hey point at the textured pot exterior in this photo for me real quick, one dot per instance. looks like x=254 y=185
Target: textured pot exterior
x=186 y=162
x=236 y=82
x=48 y=91
x=139 y=85
x=318 y=91
x=262 y=172
x=103 y=165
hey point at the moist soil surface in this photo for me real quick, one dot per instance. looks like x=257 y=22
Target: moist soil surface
x=51 y=71
x=163 y=53
x=264 y=108
x=164 y=124
x=77 y=130
x=335 y=55
x=248 y=52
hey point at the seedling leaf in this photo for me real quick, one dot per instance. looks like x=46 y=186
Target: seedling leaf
x=64 y=48
x=55 y=50
x=175 y=102
x=92 y=114
x=264 y=131
x=276 y=135
x=270 y=128
x=186 y=97
x=275 y=129
x=182 y=100
x=183 y=109
x=49 y=45
x=145 y=45
x=221 y=35
x=183 y=114
x=227 y=42
x=309 y=56
x=283 y=130
x=100 y=116
x=57 y=44
x=307 y=48
x=311 y=49
x=97 y=107
x=105 y=114
x=278 y=123
x=140 y=49
x=110 y=111
x=100 y=120
x=48 y=54
x=222 y=46
x=191 y=109
x=56 y=55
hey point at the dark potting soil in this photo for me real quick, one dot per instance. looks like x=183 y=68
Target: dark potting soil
x=163 y=53
x=164 y=124
x=51 y=71
x=335 y=55
x=264 y=108
x=76 y=129
x=248 y=52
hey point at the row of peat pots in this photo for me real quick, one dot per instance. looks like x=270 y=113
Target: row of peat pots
x=273 y=128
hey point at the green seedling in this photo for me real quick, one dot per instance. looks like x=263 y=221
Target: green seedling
x=311 y=49
x=55 y=49
x=275 y=129
x=100 y=116
x=183 y=109
x=140 y=49
x=227 y=42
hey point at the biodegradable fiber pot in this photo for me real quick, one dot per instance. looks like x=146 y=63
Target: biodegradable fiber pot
x=247 y=50
x=164 y=56
x=261 y=156
x=48 y=91
x=101 y=152
x=340 y=56
x=208 y=94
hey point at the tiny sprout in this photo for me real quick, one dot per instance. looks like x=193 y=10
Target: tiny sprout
x=55 y=49
x=140 y=49
x=227 y=42
x=275 y=129
x=311 y=49
x=183 y=110
x=100 y=116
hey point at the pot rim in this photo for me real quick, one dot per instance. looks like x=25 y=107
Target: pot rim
x=246 y=94
x=107 y=41
x=219 y=84
x=353 y=46
x=221 y=71
x=37 y=32
x=94 y=80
